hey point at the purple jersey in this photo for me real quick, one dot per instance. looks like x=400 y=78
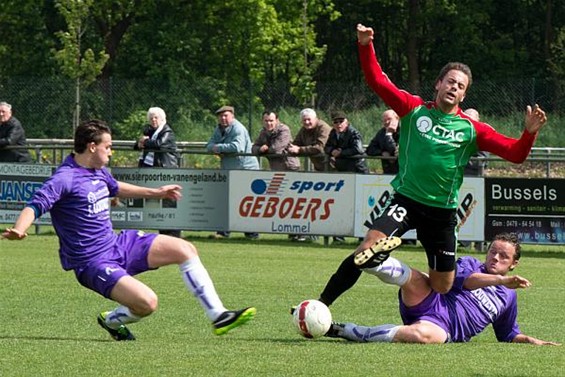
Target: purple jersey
x=78 y=200
x=463 y=313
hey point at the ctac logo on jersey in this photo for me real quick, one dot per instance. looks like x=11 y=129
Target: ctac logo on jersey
x=424 y=124
x=439 y=133
x=268 y=200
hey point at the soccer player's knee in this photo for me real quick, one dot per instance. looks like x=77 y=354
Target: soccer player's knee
x=371 y=241
x=392 y=271
x=146 y=306
x=187 y=250
x=441 y=287
x=425 y=335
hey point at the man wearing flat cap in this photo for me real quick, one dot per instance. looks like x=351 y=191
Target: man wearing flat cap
x=230 y=138
x=344 y=147
x=344 y=144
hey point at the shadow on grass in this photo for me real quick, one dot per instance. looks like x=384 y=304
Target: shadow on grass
x=298 y=340
x=54 y=338
x=266 y=241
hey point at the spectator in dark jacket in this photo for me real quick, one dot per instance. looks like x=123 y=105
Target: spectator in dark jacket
x=158 y=142
x=344 y=146
x=344 y=143
x=159 y=150
x=385 y=142
x=11 y=134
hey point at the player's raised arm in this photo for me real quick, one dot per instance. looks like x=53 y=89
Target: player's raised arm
x=535 y=119
x=127 y=190
x=24 y=221
x=365 y=34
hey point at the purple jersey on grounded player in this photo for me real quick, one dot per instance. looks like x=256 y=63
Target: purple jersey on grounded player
x=464 y=313
x=78 y=200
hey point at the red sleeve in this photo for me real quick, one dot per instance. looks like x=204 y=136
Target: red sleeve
x=513 y=150
x=399 y=100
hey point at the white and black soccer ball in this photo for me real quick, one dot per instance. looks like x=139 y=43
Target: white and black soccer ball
x=312 y=319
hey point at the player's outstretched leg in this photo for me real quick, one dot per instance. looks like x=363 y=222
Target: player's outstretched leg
x=233 y=318
x=374 y=256
x=336 y=330
x=356 y=333
x=120 y=333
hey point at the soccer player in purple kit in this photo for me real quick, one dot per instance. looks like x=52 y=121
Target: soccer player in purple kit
x=78 y=197
x=483 y=294
x=436 y=141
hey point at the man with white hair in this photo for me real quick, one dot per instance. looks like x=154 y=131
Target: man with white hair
x=158 y=142
x=310 y=141
x=311 y=138
x=159 y=148
x=11 y=134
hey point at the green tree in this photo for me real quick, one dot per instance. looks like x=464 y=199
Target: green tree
x=557 y=68
x=77 y=62
x=25 y=39
x=224 y=51
x=191 y=56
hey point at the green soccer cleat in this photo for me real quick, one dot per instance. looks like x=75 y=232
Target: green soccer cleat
x=376 y=255
x=233 y=318
x=121 y=333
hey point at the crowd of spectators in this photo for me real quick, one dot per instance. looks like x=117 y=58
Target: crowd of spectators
x=335 y=148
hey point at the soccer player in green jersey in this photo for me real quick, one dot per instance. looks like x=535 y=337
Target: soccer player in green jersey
x=436 y=141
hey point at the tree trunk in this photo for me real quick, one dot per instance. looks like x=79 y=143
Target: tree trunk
x=112 y=37
x=548 y=30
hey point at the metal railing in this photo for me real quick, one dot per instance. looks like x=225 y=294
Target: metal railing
x=53 y=151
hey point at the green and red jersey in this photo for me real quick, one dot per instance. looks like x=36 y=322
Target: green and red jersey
x=435 y=147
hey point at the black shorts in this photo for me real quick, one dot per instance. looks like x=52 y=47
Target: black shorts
x=435 y=228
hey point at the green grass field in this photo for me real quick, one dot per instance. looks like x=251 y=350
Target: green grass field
x=49 y=321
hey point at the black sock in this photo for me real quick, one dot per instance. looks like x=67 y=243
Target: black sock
x=344 y=278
